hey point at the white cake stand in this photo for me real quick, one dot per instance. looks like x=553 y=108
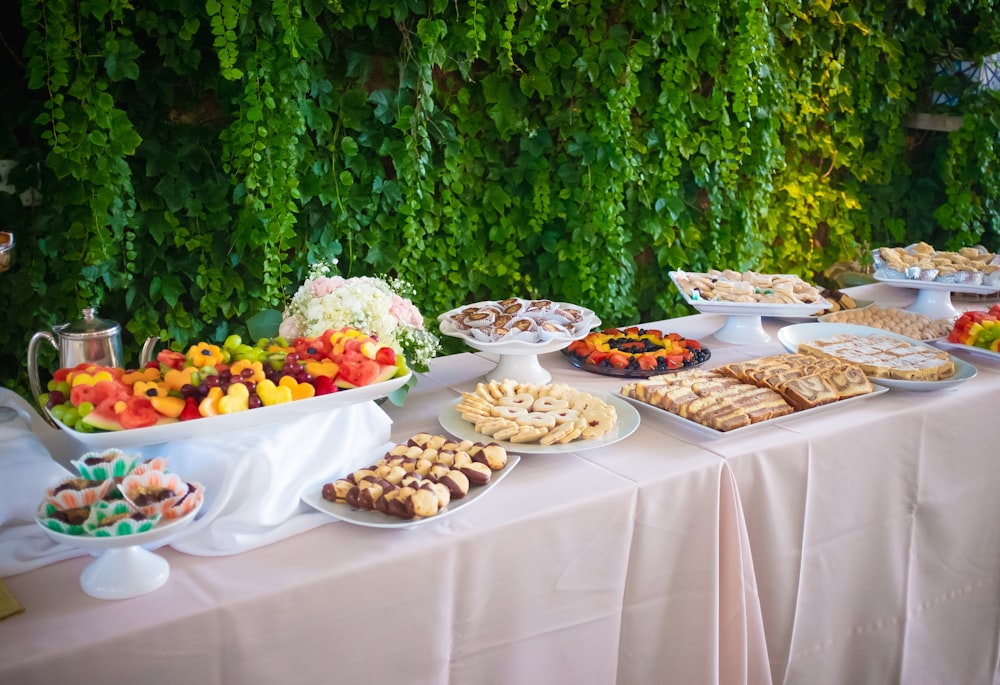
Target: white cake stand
x=934 y=297
x=124 y=568
x=519 y=360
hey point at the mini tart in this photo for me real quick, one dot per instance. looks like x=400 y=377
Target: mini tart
x=113 y=519
x=159 y=493
x=111 y=463
x=65 y=521
x=74 y=493
x=635 y=351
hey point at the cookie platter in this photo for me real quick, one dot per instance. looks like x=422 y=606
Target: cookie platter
x=373 y=518
x=518 y=330
x=627 y=421
x=748 y=297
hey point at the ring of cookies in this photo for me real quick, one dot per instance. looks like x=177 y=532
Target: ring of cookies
x=549 y=414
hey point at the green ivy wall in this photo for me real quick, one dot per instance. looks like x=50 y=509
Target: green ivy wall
x=194 y=157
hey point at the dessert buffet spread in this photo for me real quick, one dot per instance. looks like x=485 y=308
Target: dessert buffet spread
x=117 y=494
x=635 y=352
x=738 y=395
x=911 y=324
x=517 y=319
x=418 y=479
x=883 y=356
x=922 y=262
x=527 y=413
x=748 y=287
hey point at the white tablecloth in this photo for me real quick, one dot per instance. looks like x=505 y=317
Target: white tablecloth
x=873 y=528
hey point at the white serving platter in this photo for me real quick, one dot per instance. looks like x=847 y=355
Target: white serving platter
x=972 y=349
x=243 y=420
x=628 y=421
x=313 y=496
x=681 y=422
x=791 y=336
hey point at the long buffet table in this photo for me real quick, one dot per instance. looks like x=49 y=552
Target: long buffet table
x=853 y=546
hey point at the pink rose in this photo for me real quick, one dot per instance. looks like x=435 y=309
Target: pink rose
x=324 y=286
x=405 y=312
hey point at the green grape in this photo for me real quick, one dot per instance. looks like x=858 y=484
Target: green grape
x=58 y=412
x=71 y=418
x=84 y=408
x=232 y=342
x=64 y=387
x=84 y=427
x=51 y=385
x=43 y=399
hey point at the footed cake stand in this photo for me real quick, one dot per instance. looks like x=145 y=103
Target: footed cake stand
x=124 y=568
x=934 y=297
x=519 y=360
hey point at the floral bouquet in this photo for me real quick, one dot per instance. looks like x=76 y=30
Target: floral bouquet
x=376 y=306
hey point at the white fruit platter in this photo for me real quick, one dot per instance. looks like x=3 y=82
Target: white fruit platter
x=237 y=421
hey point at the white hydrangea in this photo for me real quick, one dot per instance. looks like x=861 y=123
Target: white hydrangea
x=372 y=305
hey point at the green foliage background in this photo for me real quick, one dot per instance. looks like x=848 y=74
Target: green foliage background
x=194 y=157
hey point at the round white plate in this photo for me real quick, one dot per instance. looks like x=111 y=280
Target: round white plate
x=791 y=336
x=211 y=425
x=313 y=496
x=628 y=421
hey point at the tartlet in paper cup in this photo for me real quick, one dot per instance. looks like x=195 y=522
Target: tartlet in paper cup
x=74 y=493
x=118 y=518
x=154 y=464
x=111 y=463
x=187 y=503
x=161 y=493
x=65 y=521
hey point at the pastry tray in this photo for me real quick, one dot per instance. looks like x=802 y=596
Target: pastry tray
x=673 y=420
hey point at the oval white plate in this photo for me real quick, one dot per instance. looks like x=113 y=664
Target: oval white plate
x=791 y=336
x=313 y=496
x=211 y=425
x=628 y=421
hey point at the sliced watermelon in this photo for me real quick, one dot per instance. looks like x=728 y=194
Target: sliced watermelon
x=356 y=372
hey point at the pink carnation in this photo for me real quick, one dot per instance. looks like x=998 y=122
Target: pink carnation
x=405 y=311
x=324 y=286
